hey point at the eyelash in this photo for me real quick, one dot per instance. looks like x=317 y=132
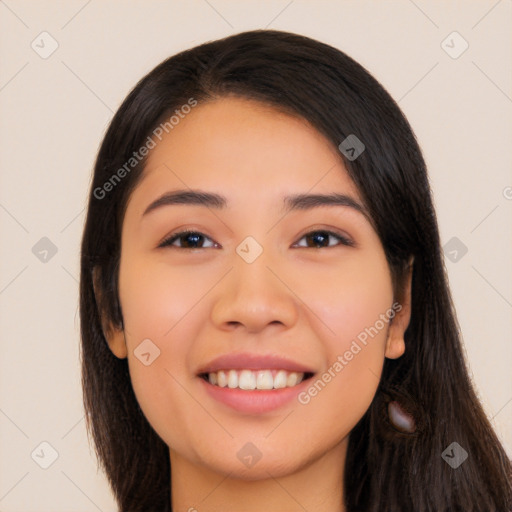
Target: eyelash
x=172 y=238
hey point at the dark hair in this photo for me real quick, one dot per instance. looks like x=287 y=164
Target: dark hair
x=385 y=470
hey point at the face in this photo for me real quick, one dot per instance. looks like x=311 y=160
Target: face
x=261 y=293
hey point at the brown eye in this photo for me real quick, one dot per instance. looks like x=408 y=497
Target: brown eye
x=190 y=239
x=318 y=239
x=321 y=237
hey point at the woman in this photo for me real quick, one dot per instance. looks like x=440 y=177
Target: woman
x=229 y=366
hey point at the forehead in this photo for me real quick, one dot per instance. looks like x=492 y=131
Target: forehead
x=244 y=150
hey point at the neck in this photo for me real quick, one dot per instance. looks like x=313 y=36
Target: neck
x=317 y=485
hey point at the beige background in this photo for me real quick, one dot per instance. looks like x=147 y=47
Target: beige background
x=54 y=112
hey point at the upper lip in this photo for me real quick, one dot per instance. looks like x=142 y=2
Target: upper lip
x=247 y=361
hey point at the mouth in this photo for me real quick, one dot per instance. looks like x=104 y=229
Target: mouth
x=250 y=380
x=253 y=383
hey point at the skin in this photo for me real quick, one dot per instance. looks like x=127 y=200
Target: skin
x=304 y=303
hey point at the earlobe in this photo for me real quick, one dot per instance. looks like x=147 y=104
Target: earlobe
x=395 y=344
x=115 y=337
x=117 y=343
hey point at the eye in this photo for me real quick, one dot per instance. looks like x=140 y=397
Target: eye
x=321 y=236
x=192 y=239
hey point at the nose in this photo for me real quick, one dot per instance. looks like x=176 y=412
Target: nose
x=255 y=295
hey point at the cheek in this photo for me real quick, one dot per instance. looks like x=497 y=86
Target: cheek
x=355 y=305
x=341 y=395
x=160 y=320
x=349 y=297
x=152 y=303
x=351 y=305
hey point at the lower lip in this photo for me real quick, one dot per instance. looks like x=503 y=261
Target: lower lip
x=254 y=401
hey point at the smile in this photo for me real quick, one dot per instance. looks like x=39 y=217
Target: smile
x=255 y=379
x=253 y=383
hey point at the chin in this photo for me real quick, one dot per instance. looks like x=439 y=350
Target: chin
x=250 y=464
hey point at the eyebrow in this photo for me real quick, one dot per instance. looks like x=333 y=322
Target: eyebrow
x=291 y=202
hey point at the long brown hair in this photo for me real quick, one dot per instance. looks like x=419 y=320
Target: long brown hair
x=385 y=470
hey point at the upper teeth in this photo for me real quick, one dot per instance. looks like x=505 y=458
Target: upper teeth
x=255 y=379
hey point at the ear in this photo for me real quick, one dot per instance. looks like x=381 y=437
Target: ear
x=114 y=336
x=395 y=344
